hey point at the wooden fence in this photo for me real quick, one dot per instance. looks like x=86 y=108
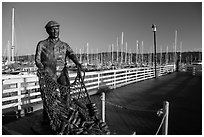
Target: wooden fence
x=20 y=91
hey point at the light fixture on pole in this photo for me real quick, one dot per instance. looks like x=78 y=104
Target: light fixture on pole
x=154 y=29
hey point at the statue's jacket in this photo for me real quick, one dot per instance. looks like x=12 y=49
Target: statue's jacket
x=50 y=54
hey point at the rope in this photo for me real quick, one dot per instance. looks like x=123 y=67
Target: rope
x=121 y=99
x=7 y=115
x=122 y=107
x=161 y=123
x=119 y=106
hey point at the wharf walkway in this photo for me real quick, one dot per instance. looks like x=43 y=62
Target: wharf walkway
x=133 y=108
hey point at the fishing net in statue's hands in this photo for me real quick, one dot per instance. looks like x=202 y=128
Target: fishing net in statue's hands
x=69 y=108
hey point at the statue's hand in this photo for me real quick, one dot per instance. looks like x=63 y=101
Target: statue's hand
x=41 y=72
x=79 y=72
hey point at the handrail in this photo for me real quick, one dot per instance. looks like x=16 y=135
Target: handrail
x=21 y=90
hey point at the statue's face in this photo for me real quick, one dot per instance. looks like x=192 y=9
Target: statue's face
x=53 y=32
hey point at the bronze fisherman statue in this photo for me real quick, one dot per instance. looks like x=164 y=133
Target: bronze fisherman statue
x=65 y=112
x=52 y=52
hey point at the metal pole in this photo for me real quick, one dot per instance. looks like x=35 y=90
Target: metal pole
x=166 y=112
x=155 y=50
x=103 y=106
x=155 y=55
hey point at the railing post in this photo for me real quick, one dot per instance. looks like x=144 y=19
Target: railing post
x=114 y=80
x=98 y=80
x=194 y=71
x=165 y=112
x=144 y=74
x=162 y=70
x=135 y=75
x=126 y=77
x=103 y=106
x=19 y=95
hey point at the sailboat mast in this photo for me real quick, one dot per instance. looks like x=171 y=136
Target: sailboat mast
x=167 y=56
x=80 y=56
x=101 y=58
x=122 y=38
x=92 y=56
x=137 y=52
x=125 y=52
x=129 y=55
x=12 y=36
x=180 y=51
x=97 y=57
x=87 y=53
x=112 y=58
x=117 y=49
x=142 y=53
x=161 y=56
x=8 y=53
x=175 y=58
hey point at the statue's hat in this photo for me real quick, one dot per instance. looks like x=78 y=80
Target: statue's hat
x=52 y=24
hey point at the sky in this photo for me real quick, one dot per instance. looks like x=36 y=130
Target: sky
x=100 y=23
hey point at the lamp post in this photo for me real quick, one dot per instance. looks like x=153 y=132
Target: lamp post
x=154 y=28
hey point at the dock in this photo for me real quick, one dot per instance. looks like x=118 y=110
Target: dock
x=133 y=108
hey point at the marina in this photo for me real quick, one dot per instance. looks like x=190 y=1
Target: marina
x=111 y=71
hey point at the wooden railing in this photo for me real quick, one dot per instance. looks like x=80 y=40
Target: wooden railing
x=19 y=91
x=194 y=69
